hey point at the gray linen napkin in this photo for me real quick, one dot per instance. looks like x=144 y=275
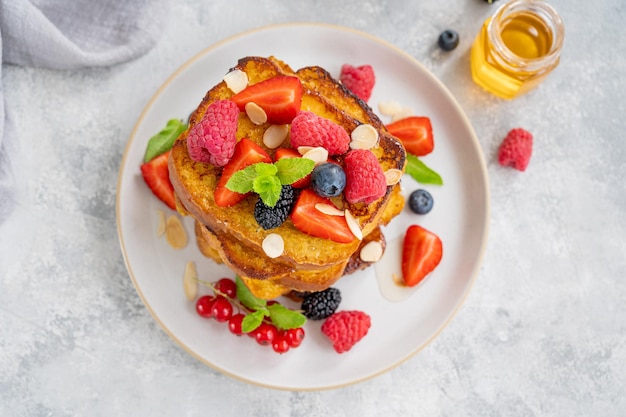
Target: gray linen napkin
x=69 y=34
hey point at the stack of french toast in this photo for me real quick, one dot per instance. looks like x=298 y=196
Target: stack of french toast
x=232 y=235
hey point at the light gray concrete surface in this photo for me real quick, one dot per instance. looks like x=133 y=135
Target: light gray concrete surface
x=543 y=333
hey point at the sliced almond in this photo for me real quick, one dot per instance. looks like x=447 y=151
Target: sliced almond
x=273 y=245
x=304 y=149
x=175 y=232
x=236 y=80
x=317 y=155
x=160 y=223
x=353 y=225
x=190 y=281
x=275 y=135
x=364 y=136
x=389 y=108
x=256 y=114
x=371 y=252
x=329 y=209
x=392 y=176
x=402 y=114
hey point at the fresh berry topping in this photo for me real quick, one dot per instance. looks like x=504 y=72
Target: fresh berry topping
x=416 y=134
x=365 y=179
x=322 y=304
x=448 y=40
x=294 y=336
x=265 y=334
x=359 y=80
x=156 y=174
x=227 y=287
x=246 y=153
x=221 y=309
x=328 y=179
x=280 y=344
x=270 y=217
x=308 y=219
x=213 y=139
x=234 y=324
x=420 y=201
x=203 y=306
x=516 y=149
x=346 y=328
x=421 y=253
x=309 y=129
x=292 y=153
x=280 y=97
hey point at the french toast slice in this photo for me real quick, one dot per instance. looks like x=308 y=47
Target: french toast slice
x=232 y=234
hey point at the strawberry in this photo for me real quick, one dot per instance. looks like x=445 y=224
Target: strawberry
x=246 y=153
x=156 y=174
x=313 y=222
x=416 y=134
x=280 y=97
x=421 y=253
x=292 y=153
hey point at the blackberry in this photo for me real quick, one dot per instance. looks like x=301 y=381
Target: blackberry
x=271 y=217
x=320 y=305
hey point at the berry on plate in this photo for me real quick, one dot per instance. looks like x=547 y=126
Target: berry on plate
x=360 y=80
x=322 y=304
x=270 y=217
x=448 y=40
x=308 y=219
x=345 y=328
x=309 y=129
x=279 y=97
x=516 y=149
x=365 y=179
x=416 y=134
x=421 y=253
x=156 y=174
x=213 y=139
x=420 y=201
x=328 y=179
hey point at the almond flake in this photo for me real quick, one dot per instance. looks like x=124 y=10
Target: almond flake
x=190 y=281
x=304 y=149
x=329 y=209
x=389 y=108
x=364 y=136
x=402 y=114
x=392 y=176
x=256 y=114
x=371 y=252
x=275 y=135
x=273 y=245
x=236 y=80
x=353 y=225
x=175 y=233
x=161 y=223
x=317 y=155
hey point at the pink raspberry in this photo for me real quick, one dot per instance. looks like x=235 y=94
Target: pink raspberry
x=213 y=140
x=516 y=149
x=365 y=179
x=346 y=328
x=309 y=129
x=359 y=80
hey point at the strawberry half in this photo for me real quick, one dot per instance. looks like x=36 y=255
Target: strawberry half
x=246 y=153
x=416 y=134
x=292 y=153
x=313 y=222
x=421 y=253
x=280 y=97
x=156 y=174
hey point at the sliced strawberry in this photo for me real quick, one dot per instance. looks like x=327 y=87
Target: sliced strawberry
x=246 y=153
x=292 y=153
x=416 y=134
x=313 y=222
x=421 y=253
x=156 y=174
x=280 y=97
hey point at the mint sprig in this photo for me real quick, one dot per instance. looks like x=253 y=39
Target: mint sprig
x=267 y=179
x=421 y=172
x=164 y=140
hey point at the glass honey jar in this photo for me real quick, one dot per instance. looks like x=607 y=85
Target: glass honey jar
x=517 y=47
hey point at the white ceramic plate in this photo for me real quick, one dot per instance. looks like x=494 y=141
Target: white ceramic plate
x=399 y=328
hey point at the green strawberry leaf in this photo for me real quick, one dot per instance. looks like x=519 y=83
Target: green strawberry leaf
x=284 y=318
x=252 y=320
x=268 y=187
x=242 y=181
x=164 y=140
x=247 y=298
x=420 y=172
x=291 y=170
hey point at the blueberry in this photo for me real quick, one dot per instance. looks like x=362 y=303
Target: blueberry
x=328 y=179
x=448 y=40
x=420 y=201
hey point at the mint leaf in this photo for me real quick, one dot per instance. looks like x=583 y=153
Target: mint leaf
x=285 y=319
x=291 y=170
x=242 y=181
x=420 y=172
x=163 y=141
x=263 y=169
x=252 y=321
x=268 y=188
x=247 y=298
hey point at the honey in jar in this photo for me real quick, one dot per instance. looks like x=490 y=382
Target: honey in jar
x=517 y=48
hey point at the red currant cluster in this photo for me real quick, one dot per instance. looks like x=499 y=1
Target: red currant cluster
x=221 y=306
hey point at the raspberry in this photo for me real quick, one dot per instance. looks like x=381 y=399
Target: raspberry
x=320 y=305
x=309 y=129
x=359 y=80
x=346 y=328
x=213 y=140
x=365 y=180
x=516 y=149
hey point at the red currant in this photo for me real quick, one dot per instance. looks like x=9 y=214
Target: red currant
x=294 y=336
x=234 y=324
x=265 y=333
x=280 y=344
x=221 y=309
x=203 y=306
x=227 y=287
